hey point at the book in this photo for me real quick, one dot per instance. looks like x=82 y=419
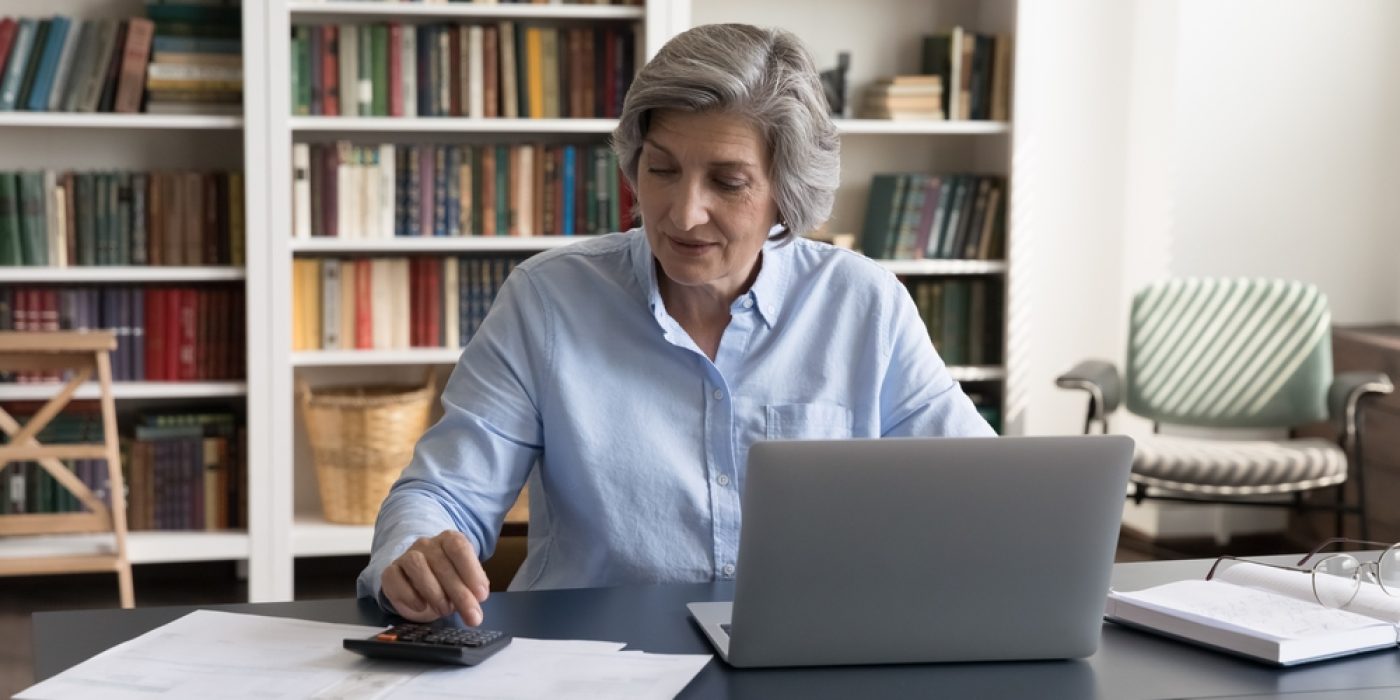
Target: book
x=1259 y=612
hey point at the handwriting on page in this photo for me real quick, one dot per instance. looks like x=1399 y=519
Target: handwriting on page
x=1267 y=613
x=1370 y=600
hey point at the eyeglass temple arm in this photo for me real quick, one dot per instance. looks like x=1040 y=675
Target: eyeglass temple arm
x=1340 y=540
x=1211 y=574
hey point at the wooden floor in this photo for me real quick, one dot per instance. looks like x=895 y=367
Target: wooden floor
x=327 y=577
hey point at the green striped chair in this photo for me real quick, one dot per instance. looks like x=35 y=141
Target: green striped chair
x=1234 y=353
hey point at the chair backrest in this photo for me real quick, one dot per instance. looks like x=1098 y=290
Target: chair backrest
x=1229 y=353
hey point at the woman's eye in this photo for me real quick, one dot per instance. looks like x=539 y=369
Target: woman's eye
x=661 y=171
x=730 y=185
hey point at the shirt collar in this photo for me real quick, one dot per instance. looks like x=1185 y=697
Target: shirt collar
x=767 y=292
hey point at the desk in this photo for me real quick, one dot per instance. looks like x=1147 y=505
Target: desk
x=1129 y=664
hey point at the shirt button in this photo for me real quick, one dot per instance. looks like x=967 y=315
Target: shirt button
x=723 y=479
x=719 y=395
x=748 y=303
x=728 y=569
x=771 y=309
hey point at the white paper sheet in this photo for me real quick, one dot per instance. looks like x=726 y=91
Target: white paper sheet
x=209 y=654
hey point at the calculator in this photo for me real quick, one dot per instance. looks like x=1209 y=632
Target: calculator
x=466 y=646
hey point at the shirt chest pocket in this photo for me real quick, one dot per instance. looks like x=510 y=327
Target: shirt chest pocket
x=807 y=421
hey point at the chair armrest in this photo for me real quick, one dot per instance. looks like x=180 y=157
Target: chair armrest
x=1100 y=378
x=1344 y=397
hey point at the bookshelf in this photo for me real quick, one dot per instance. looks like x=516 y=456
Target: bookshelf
x=284 y=515
x=140 y=142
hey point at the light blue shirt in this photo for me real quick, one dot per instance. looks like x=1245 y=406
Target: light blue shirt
x=634 y=442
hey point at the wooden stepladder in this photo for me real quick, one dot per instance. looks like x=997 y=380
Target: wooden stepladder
x=84 y=353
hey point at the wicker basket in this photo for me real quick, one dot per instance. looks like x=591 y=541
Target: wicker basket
x=361 y=440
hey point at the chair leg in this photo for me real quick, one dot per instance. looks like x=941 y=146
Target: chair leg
x=124 y=586
x=1364 y=526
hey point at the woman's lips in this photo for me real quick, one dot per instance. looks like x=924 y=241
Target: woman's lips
x=690 y=247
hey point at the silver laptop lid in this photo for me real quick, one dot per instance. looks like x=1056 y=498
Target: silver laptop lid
x=915 y=550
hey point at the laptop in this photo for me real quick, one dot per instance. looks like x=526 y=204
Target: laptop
x=911 y=550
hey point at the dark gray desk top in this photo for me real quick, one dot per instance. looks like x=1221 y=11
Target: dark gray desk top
x=1129 y=664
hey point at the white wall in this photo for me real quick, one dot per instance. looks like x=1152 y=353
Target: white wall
x=1289 y=148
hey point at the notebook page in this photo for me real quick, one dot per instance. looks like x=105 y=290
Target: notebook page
x=1257 y=612
x=1370 y=601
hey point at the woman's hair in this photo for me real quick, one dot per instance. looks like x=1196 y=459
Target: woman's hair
x=764 y=75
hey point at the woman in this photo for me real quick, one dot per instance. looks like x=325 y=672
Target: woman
x=635 y=370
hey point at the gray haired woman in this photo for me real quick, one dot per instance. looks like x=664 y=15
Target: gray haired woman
x=626 y=376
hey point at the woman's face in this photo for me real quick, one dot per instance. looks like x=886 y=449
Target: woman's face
x=703 y=188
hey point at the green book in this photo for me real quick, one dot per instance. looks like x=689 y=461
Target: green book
x=379 y=52
x=473 y=154
x=955 y=322
x=33 y=227
x=121 y=252
x=881 y=207
x=36 y=57
x=900 y=245
x=197 y=29
x=301 y=70
x=591 y=191
x=85 y=204
x=614 y=222
x=11 y=234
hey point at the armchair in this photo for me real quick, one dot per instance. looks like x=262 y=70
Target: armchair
x=1235 y=353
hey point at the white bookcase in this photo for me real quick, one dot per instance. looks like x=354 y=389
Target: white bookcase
x=44 y=140
x=283 y=510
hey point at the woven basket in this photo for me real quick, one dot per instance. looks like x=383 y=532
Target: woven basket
x=361 y=440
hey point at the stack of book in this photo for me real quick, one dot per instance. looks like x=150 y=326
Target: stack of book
x=963 y=317
x=505 y=69
x=63 y=218
x=392 y=303
x=71 y=65
x=381 y=191
x=163 y=333
x=26 y=487
x=197 y=61
x=186 y=471
x=914 y=216
x=975 y=71
x=905 y=97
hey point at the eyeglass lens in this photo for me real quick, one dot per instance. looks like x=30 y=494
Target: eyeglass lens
x=1388 y=569
x=1335 y=580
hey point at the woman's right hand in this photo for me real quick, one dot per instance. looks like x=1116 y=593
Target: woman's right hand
x=436 y=577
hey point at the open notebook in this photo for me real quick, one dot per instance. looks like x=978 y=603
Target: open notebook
x=1263 y=613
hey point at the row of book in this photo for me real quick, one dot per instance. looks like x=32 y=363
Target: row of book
x=187 y=473
x=177 y=55
x=69 y=218
x=904 y=97
x=975 y=72
x=183 y=470
x=392 y=303
x=381 y=191
x=963 y=317
x=505 y=69
x=913 y=216
x=164 y=333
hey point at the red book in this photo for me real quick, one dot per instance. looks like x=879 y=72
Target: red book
x=174 y=325
x=189 y=333
x=364 y=321
x=155 y=335
x=8 y=26
x=330 y=70
x=205 y=318
x=132 y=81
x=454 y=72
x=433 y=289
x=395 y=70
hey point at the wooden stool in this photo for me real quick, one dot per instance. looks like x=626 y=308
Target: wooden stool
x=83 y=353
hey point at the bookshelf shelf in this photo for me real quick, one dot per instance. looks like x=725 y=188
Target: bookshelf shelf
x=355 y=358
x=450 y=125
x=120 y=274
x=977 y=373
x=128 y=390
x=313 y=536
x=143 y=546
x=65 y=120
x=931 y=127
x=401 y=11
x=944 y=267
x=433 y=244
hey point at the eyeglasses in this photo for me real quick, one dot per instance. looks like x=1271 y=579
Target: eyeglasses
x=1337 y=578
